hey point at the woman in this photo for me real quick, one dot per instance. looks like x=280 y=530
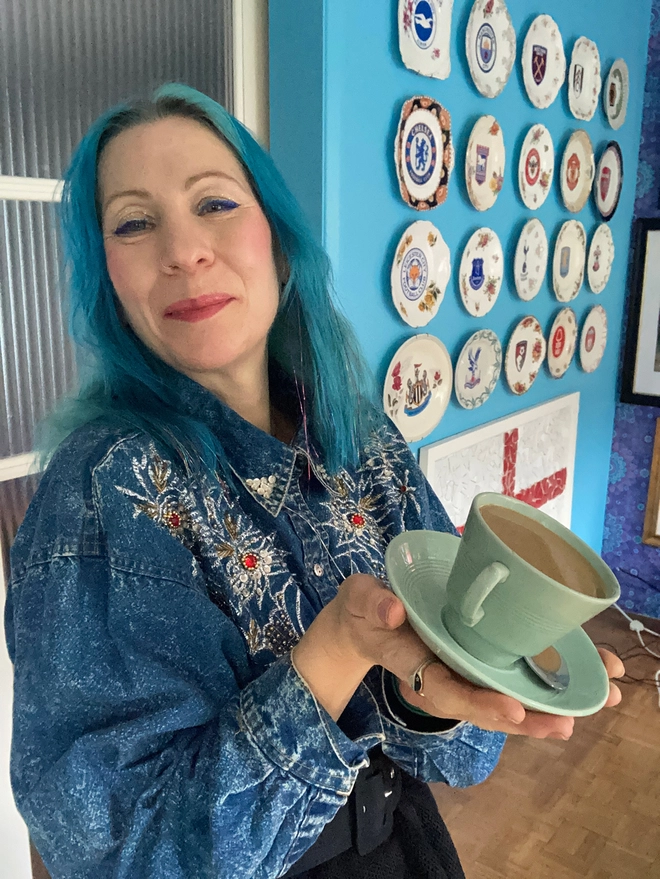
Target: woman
x=210 y=678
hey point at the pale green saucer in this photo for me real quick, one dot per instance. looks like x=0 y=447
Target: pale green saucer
x=418 y=565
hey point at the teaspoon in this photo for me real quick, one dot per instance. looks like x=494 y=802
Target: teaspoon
x=550 y=667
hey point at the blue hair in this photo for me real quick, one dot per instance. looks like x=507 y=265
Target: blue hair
x=310 y=339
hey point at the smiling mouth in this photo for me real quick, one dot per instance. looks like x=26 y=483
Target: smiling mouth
x=199 y=308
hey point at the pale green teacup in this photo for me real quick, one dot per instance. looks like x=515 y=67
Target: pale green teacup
x=521 y=581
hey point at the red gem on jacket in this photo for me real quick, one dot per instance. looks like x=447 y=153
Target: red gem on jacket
x=357 y=520
x=250 y=561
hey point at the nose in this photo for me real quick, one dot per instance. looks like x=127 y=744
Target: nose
x=185 y=246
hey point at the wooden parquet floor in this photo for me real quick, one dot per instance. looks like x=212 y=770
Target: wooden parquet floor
x=587 y=808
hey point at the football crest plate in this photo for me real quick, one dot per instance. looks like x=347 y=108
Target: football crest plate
x=478 y=369
x=577 y=171
x=524 y=355
x=484 y=163
x=568 y=261
x=561 y=342
x=481 y=271
x=420 y=273
x=593 y=339
x=490 y=46
x=424 y=36
x=609 y=180
x=418 y=386
x=536 y=167
x=543 y=61
x=531 y=260
x=423 y=153
x=616 y=93
x=600 y=259
x=584 y=82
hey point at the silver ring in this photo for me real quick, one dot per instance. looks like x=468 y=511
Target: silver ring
x=416 y=679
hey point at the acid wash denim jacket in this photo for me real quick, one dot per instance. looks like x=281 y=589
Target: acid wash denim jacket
x=160 y=730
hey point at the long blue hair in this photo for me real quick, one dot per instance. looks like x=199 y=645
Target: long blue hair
x=310 y=340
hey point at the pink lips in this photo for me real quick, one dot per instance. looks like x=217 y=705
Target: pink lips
x=199 y=308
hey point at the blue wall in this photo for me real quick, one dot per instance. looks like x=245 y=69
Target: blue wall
x=336 y=147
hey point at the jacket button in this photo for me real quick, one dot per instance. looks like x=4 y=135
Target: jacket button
x=318 y=570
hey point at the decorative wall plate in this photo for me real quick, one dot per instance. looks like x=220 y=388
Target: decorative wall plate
x=481 y=271
x=524 y=355
x=543 y=61
x=577 y=171
x=584 y=82
x=484 y=163
x=478 y=369
x=609 y=180
x=600 y=259
x=531 y=259
x=616 y=93
x=536 y=167
x=568 y=262
x=424 y=36
x=423 y=153
x=418 y=386
x=593 y=339
x=420 y=273
x=561 y=342
x=490 y=45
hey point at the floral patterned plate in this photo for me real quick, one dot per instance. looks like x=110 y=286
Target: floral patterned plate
x=616 y=93
x=484 y=163
x=423 y=153
x=478 y=369
x=609 y=180
x=420 y=273
x=543 y=61
x=536 y=167
x=418 y=386
x=481 y=271
x=577 y=171
x=490 y=45
x=424 y=35
x=584 y=82
x=568 y=262
x=561 y=342
x=600 y=259
x=531 y=260
x=593 y=339
x=524 y=355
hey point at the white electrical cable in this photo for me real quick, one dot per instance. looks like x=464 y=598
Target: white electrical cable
x=637 y=626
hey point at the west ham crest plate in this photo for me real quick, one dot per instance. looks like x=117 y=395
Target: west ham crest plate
x=490 y=45
x=600 y=259
x=420 y=273
x=577 y=171
x=524 y=355
x=478 y=369
x=536 y=167
x=484 y=163
x=593 y=339
x=424 y=36
x=423 y=153
x=584 y=82
x=568 y=262
x=615 y=95
x=481 y=271
x=561 y=342
x=543 y=61
x=531 y=259
x=609 y=180
x=418 y=386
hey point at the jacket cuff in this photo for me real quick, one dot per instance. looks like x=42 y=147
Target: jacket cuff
x=408 y=715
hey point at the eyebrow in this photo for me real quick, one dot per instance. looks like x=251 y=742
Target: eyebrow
x=143 y=193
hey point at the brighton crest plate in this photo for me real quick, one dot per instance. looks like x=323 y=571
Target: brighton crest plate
x=600 y=259
x=536 y=167
x=484 y=163
x=531 y=260
x=478 y=369
x=561 y=342
x=490 y=46
x=584 y=82
x=568 y=262
x=481 y=271
x=543 y=61
x=524 y=355
x=609 y=180
x=616 y=93
x=424 y=36
x=577 y=171
x=418 y=386
x=593 y=339
x=420 y=273
x=423 y=153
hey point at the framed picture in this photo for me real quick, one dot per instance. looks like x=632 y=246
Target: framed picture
x=651 y=532
x=641 y=364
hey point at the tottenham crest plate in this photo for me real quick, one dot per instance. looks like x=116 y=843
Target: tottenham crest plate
x=609 y=180
x=561 y=342
x=531 y=260
x=593 y=339
x=600 y=259
x=524 y=355
x=584 y=82
x=536 y=167
x=543 y=61
x=478 y=369
x=490 y=45
x=418 y=386
x=616 y=93
x=577 y=171
x=484 y=163
x=424 y=36
x=423 y=153
x=420 y=273
x=481 y=271
x=568 y=262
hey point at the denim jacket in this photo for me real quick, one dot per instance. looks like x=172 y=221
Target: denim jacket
x=160 y=730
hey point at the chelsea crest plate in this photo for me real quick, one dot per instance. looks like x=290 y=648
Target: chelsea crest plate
x=423 y=153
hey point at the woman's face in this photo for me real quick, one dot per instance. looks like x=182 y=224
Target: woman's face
x=188 y=248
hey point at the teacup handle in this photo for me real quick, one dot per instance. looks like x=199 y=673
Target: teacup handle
x=479 y=590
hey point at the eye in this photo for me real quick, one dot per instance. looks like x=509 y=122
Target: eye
x=217 y=206
x=132 y=227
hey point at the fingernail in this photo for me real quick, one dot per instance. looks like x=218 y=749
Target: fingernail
x=383 y=609
x=511 y=719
